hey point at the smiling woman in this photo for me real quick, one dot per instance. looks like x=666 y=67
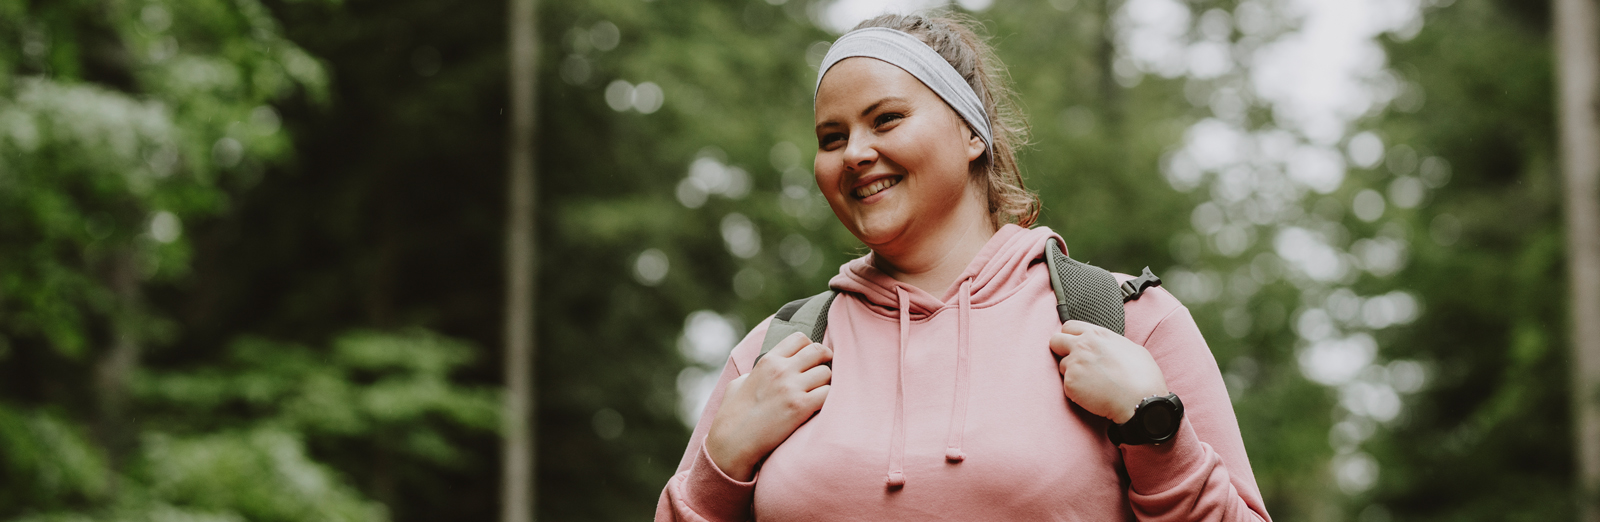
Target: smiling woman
x=946 y=386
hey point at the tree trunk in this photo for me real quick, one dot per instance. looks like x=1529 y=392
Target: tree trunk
x=518 y=497
x=1578 y=74
x=114 y=371
x=1105 y=57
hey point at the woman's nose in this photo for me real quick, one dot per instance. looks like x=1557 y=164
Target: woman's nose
x=859 y=152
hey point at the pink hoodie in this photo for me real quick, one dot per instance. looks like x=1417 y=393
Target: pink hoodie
x=952 y=409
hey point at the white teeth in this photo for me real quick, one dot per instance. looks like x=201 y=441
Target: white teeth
x=876 y=187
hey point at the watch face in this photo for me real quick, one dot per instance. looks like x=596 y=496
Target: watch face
x=1158 y=419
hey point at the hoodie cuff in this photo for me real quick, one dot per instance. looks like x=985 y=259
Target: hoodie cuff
x=1154 y=468
x=715 y=495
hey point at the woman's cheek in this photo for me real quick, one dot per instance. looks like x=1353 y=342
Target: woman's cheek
x=828 y=185
x=827 y=178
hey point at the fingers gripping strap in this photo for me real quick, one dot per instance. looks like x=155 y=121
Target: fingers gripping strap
x=1084 y=292
x=808 y=315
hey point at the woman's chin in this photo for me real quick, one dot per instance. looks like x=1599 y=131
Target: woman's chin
x=877 y=233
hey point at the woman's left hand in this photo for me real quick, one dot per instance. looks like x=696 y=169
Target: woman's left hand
x=1103 y=372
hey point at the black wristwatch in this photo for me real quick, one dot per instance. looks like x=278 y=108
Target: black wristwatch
x=1154 y=422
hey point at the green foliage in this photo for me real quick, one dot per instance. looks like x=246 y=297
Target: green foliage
x=259 y=406
x=48 y=462
x=118 y=123
x=1491 y=438
x=369 y=386
x=262 y=474
x=229 y=440
x=369 y=383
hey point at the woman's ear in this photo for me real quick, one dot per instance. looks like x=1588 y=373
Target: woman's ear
x=975 y=145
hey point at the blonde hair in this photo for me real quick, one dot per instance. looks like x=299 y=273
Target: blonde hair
x=954 y=37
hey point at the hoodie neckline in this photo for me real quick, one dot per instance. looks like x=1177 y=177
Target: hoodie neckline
x=998 y=270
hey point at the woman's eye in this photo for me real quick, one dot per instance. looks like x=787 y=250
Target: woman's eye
x=887 y=118
x=829 y=139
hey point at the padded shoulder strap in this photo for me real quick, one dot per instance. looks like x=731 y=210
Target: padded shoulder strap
x=1084 y=292
x=808 y=315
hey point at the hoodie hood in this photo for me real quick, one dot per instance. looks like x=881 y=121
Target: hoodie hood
x=998 y=270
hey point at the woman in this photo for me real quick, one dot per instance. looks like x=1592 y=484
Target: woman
x=947 y=388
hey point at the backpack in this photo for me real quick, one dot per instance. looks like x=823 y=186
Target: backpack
x=1083 y=292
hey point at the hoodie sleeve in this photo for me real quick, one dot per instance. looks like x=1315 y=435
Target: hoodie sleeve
x=699 y=491
x=1203 y=473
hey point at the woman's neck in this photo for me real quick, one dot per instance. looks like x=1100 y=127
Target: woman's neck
x=935 y=260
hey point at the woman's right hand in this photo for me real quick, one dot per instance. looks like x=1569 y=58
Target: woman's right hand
x=761 y=408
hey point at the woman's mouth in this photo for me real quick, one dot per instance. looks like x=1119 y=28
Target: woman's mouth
x=877 y=186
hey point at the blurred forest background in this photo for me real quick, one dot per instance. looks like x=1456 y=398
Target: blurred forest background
x=251 y=250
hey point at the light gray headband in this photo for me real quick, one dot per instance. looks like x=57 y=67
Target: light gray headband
x=907 y=52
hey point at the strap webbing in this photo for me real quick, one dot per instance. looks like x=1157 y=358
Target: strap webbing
x=808 y=315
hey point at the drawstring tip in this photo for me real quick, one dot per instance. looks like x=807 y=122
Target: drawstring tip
x=954 y=455
x=896 y=479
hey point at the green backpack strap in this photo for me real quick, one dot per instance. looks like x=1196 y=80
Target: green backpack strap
x=808 y=315
x=1089 y=293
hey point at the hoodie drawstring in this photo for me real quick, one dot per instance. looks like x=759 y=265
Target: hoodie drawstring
x=896 y=477
x=897 y=438
x=958 y=415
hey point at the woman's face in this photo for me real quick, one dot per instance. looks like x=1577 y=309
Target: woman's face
x=892 y=157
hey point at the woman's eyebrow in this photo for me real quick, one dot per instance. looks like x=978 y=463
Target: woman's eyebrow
x=875 y=105
x=879 y=103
